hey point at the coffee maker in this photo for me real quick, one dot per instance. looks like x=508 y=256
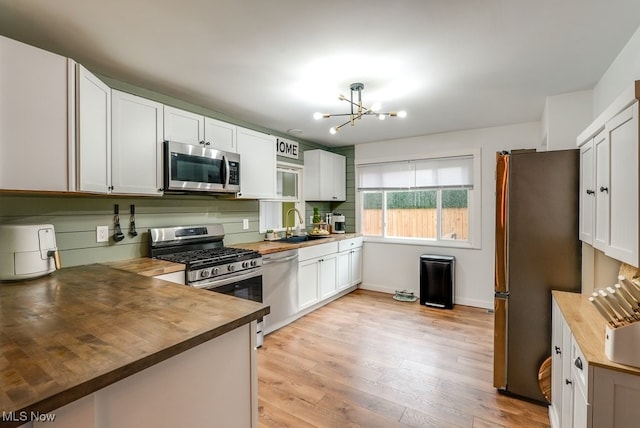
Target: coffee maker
x=338 y=223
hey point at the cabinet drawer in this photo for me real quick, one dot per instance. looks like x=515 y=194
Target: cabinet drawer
x=579 y=368
x=306 y=253
x=348 y=244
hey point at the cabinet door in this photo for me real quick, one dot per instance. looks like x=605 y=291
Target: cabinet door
x=220 y=135
x=328 y=275
x=308 y=279
x=325 y=176
x=344 y=270
x=339 y=178
x=356 y=266
x=622 y=135
x=136 y=144
x=557 y=379
x=587 y=192
x=615 y=399
x=93 y=133
x=257 y=165
x=566 y=416
x=183 y=126
x=34 y=118
x=601 y=232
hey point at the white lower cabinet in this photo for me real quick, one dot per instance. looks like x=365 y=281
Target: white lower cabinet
x=349 y=263
x=317 y=273
x=584 y=395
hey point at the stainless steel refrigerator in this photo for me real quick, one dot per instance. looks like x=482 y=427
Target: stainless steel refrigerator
x=537 y=250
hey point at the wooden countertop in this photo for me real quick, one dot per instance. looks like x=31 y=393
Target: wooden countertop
x=268 y=247
x=79 y=329
x=146 y=266
x=588 y=327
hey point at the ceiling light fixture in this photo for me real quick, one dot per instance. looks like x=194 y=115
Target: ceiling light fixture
x=359 y=110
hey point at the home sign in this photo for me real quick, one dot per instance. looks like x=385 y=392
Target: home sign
x=287 y=148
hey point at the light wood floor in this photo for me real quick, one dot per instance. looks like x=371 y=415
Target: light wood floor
x=366 y=360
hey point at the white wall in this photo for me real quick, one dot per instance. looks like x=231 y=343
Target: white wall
x=565 y=116
x=619 y=76
x=390 y=267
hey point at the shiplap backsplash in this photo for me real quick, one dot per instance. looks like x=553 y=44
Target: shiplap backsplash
x=75 y=219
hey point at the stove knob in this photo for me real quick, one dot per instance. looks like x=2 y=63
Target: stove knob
x=231 y=268
x=214 y=271
x=245 y=265
x=204 y=273
x=254 y=262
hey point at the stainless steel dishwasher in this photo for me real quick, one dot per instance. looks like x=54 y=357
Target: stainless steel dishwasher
x=280 y=288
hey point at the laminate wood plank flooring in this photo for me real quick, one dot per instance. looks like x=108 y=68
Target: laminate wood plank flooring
x=366 y=360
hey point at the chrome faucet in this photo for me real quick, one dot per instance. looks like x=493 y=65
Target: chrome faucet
x=286 y=218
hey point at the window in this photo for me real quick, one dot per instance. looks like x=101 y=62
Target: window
x=427 y=199
x=289 y=185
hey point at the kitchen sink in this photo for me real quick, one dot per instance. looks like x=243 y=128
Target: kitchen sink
x=294 y=239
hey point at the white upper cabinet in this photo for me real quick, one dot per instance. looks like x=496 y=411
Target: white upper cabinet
x=183 y=126
x=93 y=139
x=609 y=200
x=324 y=176
x=257 y=165
x=191 y=128
x=220 y=135
x=136 y=151
x=622 y=193
x=587 y=192
x=34 y=118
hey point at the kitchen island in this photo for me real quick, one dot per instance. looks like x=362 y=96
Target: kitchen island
x=97 y=346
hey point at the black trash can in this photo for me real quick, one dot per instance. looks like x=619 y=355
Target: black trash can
x=437 y=280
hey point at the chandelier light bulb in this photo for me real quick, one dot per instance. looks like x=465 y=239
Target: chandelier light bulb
x=357 y=110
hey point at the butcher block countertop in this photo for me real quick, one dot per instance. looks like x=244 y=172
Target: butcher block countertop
x=79 y=329
x=146 y=266
x=587 y=326
x=268 y=247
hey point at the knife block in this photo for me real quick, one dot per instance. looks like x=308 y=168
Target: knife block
x=622 y=344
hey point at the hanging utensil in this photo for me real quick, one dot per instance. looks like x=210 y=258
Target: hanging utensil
x=132 y=222
x=117 y=235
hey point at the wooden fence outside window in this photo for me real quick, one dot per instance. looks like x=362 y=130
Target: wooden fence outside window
x=418 y=223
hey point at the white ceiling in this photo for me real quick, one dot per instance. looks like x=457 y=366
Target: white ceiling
x=451 y=64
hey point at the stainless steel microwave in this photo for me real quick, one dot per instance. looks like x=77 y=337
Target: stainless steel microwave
x=189 y=168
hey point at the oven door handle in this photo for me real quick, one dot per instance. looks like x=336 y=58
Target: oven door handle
x=229 y=279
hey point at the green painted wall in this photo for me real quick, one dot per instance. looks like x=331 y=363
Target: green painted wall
x=76 y=216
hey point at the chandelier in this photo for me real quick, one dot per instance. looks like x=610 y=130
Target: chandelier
x=357 y=109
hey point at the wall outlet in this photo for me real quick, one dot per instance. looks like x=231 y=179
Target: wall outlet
x=245 y=223
x=102 y=234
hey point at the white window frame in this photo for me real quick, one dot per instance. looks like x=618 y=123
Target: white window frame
x=474 y=203
x=298 y=203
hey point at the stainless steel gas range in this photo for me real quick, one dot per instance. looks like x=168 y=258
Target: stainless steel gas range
x=209 y=264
